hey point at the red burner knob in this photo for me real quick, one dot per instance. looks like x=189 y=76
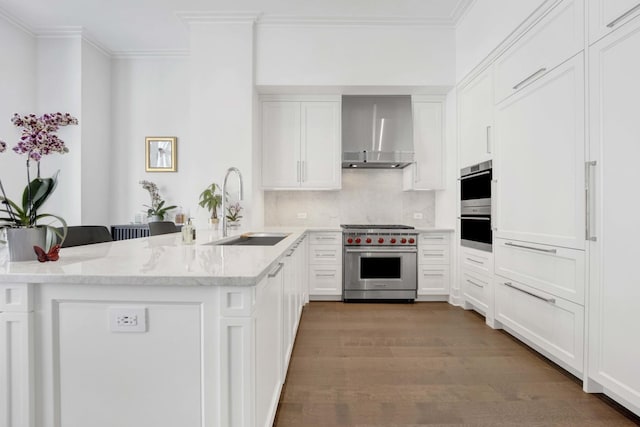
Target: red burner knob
x=393 y=241
x=403 y=240
x=412 y=240
x=381 y=240
x=358 y=240
x=368 y=240
x=349 y=240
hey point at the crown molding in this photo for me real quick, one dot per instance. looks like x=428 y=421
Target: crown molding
x=461 y=10
x=72 y=32
x=16 y=22
x=204 y=16
x=298 y=20
x=150 y=54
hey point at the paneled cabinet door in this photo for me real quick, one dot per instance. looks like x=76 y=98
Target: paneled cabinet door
x=427 y=173
x=606 y=16
x=475 y=109
x=540 y=156
x=321 y=148
x=281 y=144
x=615 y=147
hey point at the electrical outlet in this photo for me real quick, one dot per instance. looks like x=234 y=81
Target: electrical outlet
x=302 y=215
x=128 y=319
x=418 y=215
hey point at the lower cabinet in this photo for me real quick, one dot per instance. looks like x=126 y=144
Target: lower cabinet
x=476 y=281
x=552 y=325
x=325 y=265
x=434 y=265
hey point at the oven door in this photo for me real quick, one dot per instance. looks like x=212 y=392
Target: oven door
x=475 y=189
x=476 y=233
x=380 y=269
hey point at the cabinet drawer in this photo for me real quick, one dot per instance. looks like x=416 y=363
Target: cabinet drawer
x=558 y=271
x=325 y=254
x=556 y=38
x=475 y=260
x=325 y=280
x=433 y=254
x=476 y=289
x=608 y=15
x=433 y=239
x=553 y=324
x=433 y=279
x=328 y=238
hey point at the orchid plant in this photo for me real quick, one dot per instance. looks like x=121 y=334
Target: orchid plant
x=157 y=207
x=233 y=212
x=38 y=139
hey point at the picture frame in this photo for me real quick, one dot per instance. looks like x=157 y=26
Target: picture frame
x=161 y=153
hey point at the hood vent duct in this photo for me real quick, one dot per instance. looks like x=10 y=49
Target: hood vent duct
x=377 y=131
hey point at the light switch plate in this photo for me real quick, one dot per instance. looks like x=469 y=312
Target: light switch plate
x=127 y=319
x=302 y=215
x=418 y=215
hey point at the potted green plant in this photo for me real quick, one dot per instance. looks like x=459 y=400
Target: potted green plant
x=157 y=210
x=211 y=200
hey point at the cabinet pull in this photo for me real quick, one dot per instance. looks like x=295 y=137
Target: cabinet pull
x=494 y=205
x=277 y=270
x=473 y=260
x=532 y=76
x=433 y=274
x=624 y=15
x=476 y=284
x=587 y=200
x=549 y=251
x=433 y=238
x=326 y=275
x=549 y=300
x=290 y=253
x=488 y=140
x=298 y=171
x=325 y=238
x=475 y=218
x=304 y=171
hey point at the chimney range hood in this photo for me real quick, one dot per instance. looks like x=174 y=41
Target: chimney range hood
x=377 y=131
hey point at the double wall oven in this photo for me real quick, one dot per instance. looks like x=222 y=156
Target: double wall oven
x=475 y=206
x=380 y=262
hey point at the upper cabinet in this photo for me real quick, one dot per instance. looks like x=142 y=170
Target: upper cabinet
x=301 y=144
x=557 y=37
x=608 y=15
x=427 y=172
x=475 y=112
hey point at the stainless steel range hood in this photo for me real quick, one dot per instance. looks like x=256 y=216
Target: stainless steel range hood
x=377 y=131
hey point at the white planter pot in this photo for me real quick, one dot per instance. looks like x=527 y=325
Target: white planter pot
x=22 y=240
x=154 y=218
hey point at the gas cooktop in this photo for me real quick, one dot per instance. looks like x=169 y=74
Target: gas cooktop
x=377 y=226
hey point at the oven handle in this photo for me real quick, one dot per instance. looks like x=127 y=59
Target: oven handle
x=473 y=175
x=410 y=250
x=476 y=218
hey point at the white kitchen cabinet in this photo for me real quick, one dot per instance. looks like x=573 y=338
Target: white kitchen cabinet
x=540 y=152
x=434 y=264
x=476 y=281
x=606 y=16
x=427 y=171
x=301 y=144
x=325 y=265
x=552 y=325
x=553 y=40
x=475 y=120
x=614 y=350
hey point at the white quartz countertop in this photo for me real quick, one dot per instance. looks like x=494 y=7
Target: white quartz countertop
x=158 y=260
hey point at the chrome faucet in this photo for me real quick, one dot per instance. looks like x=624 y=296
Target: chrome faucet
x=224 y=197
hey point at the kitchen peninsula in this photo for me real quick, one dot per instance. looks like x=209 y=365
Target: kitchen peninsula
x=150 y=331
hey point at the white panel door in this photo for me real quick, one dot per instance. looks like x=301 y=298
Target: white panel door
x=475 y=109
x=540 y=160
x=614 y=317
x=608 y=15
x=321 y=166
x=281 y=144
x=428 y=140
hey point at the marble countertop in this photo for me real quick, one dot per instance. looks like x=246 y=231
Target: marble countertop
x=158 y=260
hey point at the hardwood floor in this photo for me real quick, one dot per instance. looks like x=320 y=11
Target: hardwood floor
x=422 y=364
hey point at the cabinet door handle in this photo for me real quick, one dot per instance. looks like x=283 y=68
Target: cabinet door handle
x=624 y=15
x=476 y=284
x=473 y=260
x=433 y=274
x=494 y=205
x=549 y=300
x=304 y=171
x=298 y=171
x=549 y=251
x=488 y=139
x=587 y=200
x=532 y=76
x=326 y=275
x=277 y=270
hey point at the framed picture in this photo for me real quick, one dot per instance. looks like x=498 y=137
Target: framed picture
x=161 y=153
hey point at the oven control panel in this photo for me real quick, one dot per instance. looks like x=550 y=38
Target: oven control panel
x=380 y=239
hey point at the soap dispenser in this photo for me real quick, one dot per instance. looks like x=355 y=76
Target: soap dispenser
x=188 y=233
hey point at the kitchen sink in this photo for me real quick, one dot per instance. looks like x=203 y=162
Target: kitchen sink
x=252 y=239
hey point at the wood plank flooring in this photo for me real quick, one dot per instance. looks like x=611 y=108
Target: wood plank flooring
x=386 y=365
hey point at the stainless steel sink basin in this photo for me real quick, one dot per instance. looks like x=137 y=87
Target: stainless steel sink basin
x=252 y=239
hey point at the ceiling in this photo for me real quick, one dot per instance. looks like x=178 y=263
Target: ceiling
x=122 y=26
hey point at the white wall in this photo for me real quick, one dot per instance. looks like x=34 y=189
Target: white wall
x=340 y=55
x=150 y=97
x=17 y=95
x=485 y=25
x=96 y=135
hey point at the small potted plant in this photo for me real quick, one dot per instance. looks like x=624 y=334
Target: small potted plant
x=211 y=200
x=157 y=210
x=233 y=215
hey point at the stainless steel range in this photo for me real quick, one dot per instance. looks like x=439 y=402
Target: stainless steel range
x=380 y=262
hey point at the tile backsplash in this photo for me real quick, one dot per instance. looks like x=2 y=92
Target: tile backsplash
x=368 y=196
